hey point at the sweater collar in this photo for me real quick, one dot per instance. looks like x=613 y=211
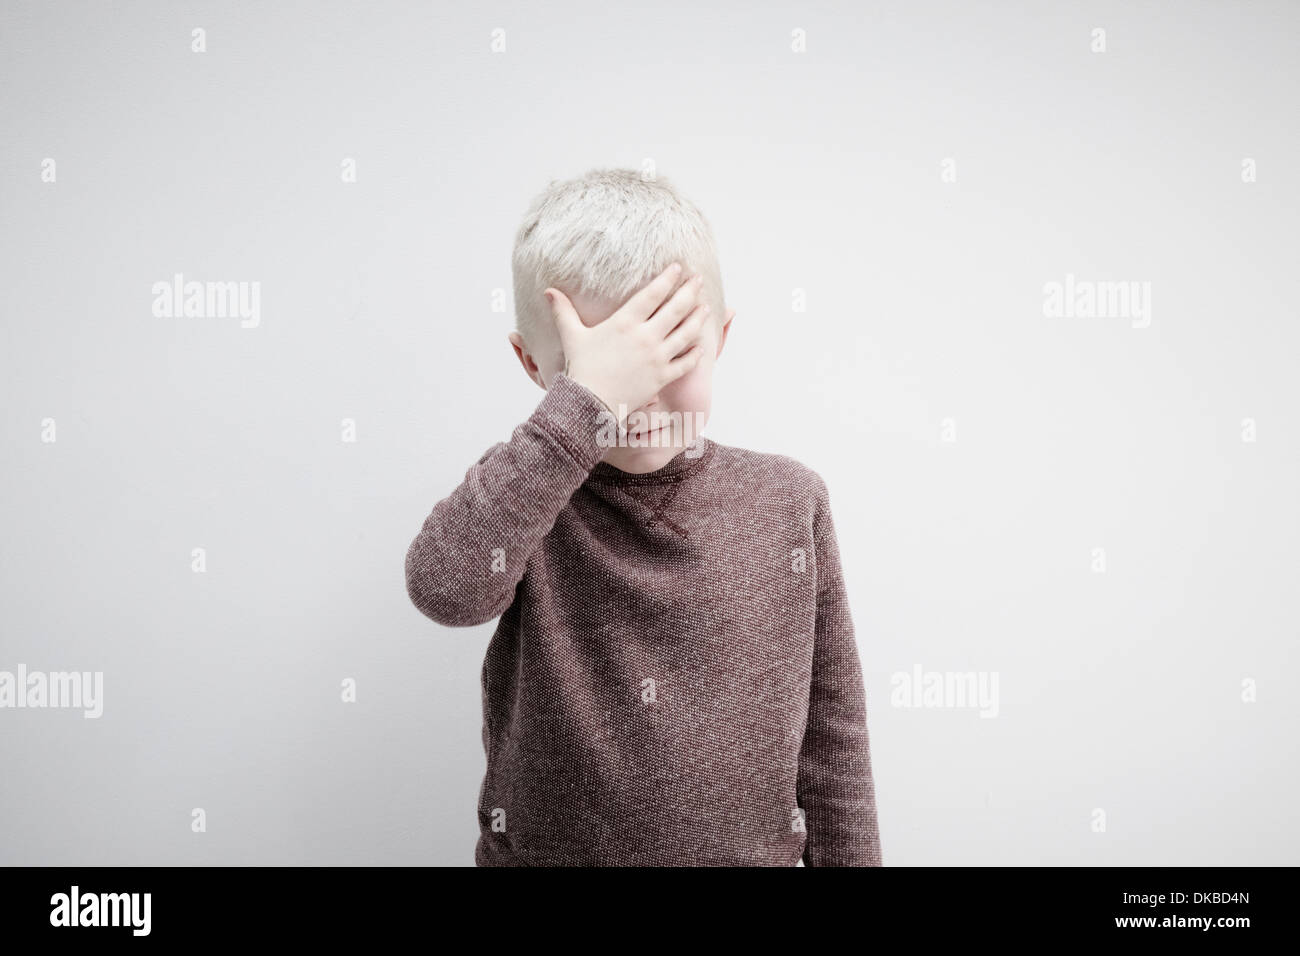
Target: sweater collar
x=679 y=467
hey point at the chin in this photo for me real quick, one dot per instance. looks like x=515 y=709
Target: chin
x=641 y=459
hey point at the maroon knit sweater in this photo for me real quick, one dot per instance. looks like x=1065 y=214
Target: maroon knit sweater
x=674 y=679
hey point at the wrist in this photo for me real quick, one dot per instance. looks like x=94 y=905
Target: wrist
x=596 y=389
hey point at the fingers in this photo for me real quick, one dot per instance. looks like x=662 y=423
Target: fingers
x=673 y=311
x=648 y=298
x=687 y=332
x=684 y=363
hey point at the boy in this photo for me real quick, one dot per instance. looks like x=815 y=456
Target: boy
x=674 y=679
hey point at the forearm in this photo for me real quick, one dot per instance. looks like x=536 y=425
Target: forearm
x=836 y=788
x=471 y=552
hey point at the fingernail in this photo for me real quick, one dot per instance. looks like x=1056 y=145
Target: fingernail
x=675 y=268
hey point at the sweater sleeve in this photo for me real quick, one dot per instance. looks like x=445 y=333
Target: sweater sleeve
x=466 y=562
x=835 y=785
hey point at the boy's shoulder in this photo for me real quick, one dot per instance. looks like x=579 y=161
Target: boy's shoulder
x=768 y=473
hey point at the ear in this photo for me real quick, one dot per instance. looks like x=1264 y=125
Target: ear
x=526 y=358
x=726 y=327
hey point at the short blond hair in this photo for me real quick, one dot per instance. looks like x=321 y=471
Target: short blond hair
x=606 y=234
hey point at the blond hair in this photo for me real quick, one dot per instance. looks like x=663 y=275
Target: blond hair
x=606 y=234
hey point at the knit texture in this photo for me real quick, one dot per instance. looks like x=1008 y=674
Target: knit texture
x=674 y=679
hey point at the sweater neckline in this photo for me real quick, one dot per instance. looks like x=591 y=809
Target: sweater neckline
x=679 y=467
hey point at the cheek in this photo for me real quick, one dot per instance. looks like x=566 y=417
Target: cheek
x=693 y=392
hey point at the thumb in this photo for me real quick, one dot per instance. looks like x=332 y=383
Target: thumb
x=567 y=321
